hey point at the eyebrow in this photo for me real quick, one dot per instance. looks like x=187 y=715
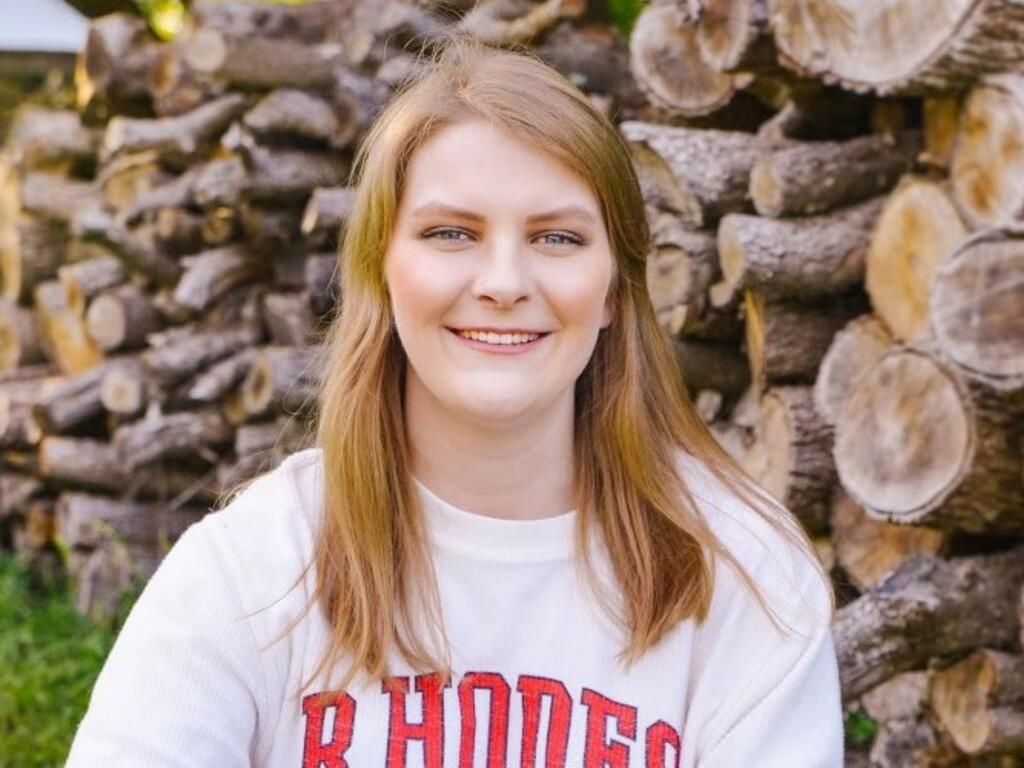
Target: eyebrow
x=568 y=211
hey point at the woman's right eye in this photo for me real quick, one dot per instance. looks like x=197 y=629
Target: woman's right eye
x=436 y=232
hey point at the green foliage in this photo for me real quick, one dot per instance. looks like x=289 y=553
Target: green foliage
x=623 y=13
x=49 y=659
x=860 y=729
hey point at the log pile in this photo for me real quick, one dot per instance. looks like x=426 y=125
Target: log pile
x=837 y=258
x=863 y=249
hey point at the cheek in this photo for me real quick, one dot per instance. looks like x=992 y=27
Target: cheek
x=578 y=297
x=419 y=288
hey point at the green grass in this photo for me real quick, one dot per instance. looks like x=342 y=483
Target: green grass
x=49 y=659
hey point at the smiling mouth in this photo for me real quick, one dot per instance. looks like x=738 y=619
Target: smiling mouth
x=496 y=340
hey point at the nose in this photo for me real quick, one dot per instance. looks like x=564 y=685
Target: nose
x=503 y=276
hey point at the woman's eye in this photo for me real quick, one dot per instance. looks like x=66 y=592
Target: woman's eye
x=437 y=232
x=568 y=239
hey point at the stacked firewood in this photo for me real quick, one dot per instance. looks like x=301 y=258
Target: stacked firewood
x=862 y=249
x=168 y=255
x=833 y=190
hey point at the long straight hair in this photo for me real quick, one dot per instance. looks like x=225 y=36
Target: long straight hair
x=374 y=578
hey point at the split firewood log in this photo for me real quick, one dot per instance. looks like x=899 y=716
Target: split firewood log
x=323 y=283
x=800 y=257
x=940 y=121
x=699 y=174
x=31 y=250
x=928 y=607
x=324 y=218
x=916 y=233
x=55 y=196
x=735 y=35
x=917 y=442
x=113 y=68
x=101 y=576
x=854 y=349
x=169 y=435
x=125 y=389
x=905 y=734
x=288 y=318
x=221 y=225
x=281 y=380
x=868 y=549
x=259 y=62
x=288 y=113
x=986 y=167
x=667 y=64
x=121 y=318
x=41 y=137
x=219 y=182
x=260 y=447
x=899 y=46
x=214 y=383
x=980 y=702
x=271 y=230
x=18 y=429
x=711 y=365
x=209 y=275
x=680 y=268
x=787 y=339
x=72 y=402
x=813 y=177
x=596 y=57
x=20 y=343
x=96 y=465
x=62 y=330
x=176 y=141
x=122 y=180
x=179 y=231
x=179 y=353
x=508 y=22
x=136 y=248
x=15 y=492
x=86 y=520
x=176 y=87
x=84 y=280
x=978 y=301
x=290 y=175
x=791 y=455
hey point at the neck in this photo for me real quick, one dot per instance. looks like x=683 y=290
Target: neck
x=512 y=470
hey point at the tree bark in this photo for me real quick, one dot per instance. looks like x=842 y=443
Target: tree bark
x=900 y=46
x=699 y=174
x=928 y=607
x=798 y=258
x=815 y=177
x=791 y=455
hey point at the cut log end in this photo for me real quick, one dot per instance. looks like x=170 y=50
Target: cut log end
x=987 y=168
x=667 y=64
x=918 y=230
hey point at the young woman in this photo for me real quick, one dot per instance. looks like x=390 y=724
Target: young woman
x=520 y=544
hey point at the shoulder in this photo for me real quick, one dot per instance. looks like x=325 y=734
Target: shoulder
x=264 y=536
x=768 y=543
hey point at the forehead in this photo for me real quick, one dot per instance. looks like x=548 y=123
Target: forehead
x=477 y=164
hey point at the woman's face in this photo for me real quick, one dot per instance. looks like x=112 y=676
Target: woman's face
x=493 y=234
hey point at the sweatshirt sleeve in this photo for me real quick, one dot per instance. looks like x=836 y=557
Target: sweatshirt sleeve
x=796 y=722
x=183 y=682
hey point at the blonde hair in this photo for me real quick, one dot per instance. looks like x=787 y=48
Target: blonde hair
x=633 y=414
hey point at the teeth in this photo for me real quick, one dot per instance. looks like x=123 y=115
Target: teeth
x=503 y=338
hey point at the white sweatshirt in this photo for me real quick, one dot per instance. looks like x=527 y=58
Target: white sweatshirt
x=536 y=681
